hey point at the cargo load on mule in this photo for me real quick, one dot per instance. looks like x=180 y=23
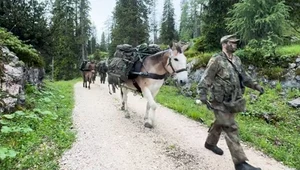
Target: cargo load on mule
x=125 y=58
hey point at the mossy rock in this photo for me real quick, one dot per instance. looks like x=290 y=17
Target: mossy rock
x=25 y=52
x=297 y=71
x=273 y=73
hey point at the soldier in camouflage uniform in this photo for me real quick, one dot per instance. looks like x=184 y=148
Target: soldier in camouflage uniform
x=226 y=79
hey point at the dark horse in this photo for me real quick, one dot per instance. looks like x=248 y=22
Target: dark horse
x=150 y=76
x=94 y=73
x=87 y=74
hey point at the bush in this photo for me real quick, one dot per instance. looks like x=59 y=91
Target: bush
x=191 y=53
x=25 y=52
x=263 y=54
x=163 y=46
x=200 y=44
x=202 y=60
x=273 y=73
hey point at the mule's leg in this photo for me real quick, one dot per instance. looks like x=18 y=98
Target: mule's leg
x=90 y=80
x=94 y=77
x=147 y=112
x=104 y=77
x=124 y=95
x=83 y=78
x=151 y=107
x=109 y=89
x=114 y=88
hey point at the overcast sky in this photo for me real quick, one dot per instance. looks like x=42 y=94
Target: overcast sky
x=101 y=10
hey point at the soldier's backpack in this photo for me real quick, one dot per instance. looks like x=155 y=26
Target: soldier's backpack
x=122 y=61
x=84 y=66
x=145 y=50
x=126 y=56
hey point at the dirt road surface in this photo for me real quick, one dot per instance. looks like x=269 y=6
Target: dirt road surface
x=106 y=140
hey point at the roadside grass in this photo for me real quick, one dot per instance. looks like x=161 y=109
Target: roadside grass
x=36 y=136
x=269 y=124
x=289 y=50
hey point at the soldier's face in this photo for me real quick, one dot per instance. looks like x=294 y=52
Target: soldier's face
x=231 y=46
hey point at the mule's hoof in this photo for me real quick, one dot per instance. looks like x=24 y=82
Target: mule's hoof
x=127 y=116
x=122 y=108
x=148 y=125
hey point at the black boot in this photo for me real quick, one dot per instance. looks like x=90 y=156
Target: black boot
x=245 y=166
x=213 y=148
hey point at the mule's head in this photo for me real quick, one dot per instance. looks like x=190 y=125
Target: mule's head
x=177 y=63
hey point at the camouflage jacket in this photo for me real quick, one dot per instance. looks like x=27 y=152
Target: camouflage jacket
x=223 y=81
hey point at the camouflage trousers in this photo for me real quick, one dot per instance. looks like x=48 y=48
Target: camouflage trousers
x=225 y=122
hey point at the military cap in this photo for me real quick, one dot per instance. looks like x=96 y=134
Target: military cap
x=227 y=38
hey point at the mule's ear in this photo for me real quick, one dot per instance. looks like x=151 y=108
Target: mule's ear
x=173 y=46
x=185 y=47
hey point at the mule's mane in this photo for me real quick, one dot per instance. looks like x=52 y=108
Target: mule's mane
x=158 y=56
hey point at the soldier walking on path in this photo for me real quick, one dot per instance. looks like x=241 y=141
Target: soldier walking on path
x=226 y=79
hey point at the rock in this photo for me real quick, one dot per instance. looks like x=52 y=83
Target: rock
x=14 y=78
x=273 y=83
x=253 y=98
x=297 y=78
x=196 y=76
x=16 y=73
x=290 y=75
x=290 y=84
x=298 y=61
x=251 y=68
x=10 y=103
x=292 y=65
x=282 y=93
x=295 y=103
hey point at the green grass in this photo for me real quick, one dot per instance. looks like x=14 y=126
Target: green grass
x=290 y=50
x=278 y=138
x=36 y=137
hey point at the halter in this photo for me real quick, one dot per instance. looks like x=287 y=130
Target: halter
x=170 y=64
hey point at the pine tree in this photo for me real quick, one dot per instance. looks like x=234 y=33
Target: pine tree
x=294 y=14
x=130 y=23
x=67 y=37
x=153 y=23
x=214 y=26
x=26 y=19
x=167 y=31
x=103 y=43
x=186 y=27
x=255 y=19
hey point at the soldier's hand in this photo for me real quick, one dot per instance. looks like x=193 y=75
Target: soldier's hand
x=260 y=89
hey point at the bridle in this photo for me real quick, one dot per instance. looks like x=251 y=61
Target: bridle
x=170 y=64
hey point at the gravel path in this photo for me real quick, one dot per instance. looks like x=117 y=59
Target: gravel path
x=106 y=140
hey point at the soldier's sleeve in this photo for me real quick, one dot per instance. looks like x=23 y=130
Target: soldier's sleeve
x=208 y=76
x=247 y=79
